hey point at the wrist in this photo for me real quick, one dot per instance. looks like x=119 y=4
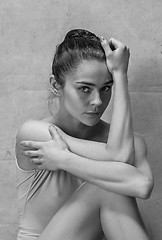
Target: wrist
x=119 y=76
x=63 y=163
x=120 y=80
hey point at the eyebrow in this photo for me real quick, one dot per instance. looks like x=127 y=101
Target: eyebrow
x=92 y=84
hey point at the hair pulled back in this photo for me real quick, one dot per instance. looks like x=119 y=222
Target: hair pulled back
x=78 y=45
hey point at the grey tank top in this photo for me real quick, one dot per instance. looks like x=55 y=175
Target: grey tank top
x=40 y=195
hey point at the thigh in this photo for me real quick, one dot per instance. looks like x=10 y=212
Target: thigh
x=89 y=211
x=78 y=218
x=120 y=217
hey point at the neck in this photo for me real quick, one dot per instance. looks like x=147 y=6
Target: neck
x=72 y=126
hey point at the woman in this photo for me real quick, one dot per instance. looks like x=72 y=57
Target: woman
x=78 y=175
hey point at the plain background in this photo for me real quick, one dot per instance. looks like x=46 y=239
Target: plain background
x=29 y=32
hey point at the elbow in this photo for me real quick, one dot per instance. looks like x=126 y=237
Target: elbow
x=144 y=188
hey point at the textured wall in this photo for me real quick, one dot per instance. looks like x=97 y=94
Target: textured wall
x=29 y=31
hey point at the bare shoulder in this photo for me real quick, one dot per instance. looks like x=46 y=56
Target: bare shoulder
x=34 y=130
x=30 y=130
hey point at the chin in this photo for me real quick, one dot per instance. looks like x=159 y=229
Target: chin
x=91 y=123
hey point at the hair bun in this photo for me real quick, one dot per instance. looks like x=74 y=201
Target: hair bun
x=81 y=33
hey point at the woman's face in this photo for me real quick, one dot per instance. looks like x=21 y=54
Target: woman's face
x=87 y=92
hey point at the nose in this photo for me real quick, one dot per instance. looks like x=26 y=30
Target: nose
x=96 y=99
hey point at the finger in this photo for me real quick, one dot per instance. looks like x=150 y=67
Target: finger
x=60 y=139
x=114 y=43
x=31 y=144
x=36 y=160
x=105 y=46
x=31 y=153
x=51 y=131
x=54 y=133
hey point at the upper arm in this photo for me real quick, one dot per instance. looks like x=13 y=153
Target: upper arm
x=31 y=130
x=141 y=161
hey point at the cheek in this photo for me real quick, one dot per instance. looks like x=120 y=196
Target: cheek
x=75 y=96
x=106 y=98
x=73 y=101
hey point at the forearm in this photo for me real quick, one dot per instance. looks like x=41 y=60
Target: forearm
x=117 y=177
x=121 y=129
x=88 y=149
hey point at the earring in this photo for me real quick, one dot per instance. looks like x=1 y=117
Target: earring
x=53 y=104
x=54 y=86
x=54 y=90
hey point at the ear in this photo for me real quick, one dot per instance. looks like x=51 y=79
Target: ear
x=55 y=87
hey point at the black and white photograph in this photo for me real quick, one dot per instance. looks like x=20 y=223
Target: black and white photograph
x=80 y=120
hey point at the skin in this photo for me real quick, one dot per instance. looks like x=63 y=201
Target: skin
x=84 y=98
x=89 y=90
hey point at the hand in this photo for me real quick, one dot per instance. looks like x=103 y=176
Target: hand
x=47 y=155
x=117 y=55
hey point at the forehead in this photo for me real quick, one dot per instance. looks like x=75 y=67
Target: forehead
x=91 y=70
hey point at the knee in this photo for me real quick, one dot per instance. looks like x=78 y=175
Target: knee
x=104 y=197
x=100 y=195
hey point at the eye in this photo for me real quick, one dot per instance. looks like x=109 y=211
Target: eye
x=85 y=89
x=106 y=88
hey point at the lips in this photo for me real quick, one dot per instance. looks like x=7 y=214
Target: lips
x=93 y=113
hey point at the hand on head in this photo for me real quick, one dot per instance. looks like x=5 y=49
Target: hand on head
x=117 y=55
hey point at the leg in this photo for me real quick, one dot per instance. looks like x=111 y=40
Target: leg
x=78 y=218
x=81 y=216
x=120 y=217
